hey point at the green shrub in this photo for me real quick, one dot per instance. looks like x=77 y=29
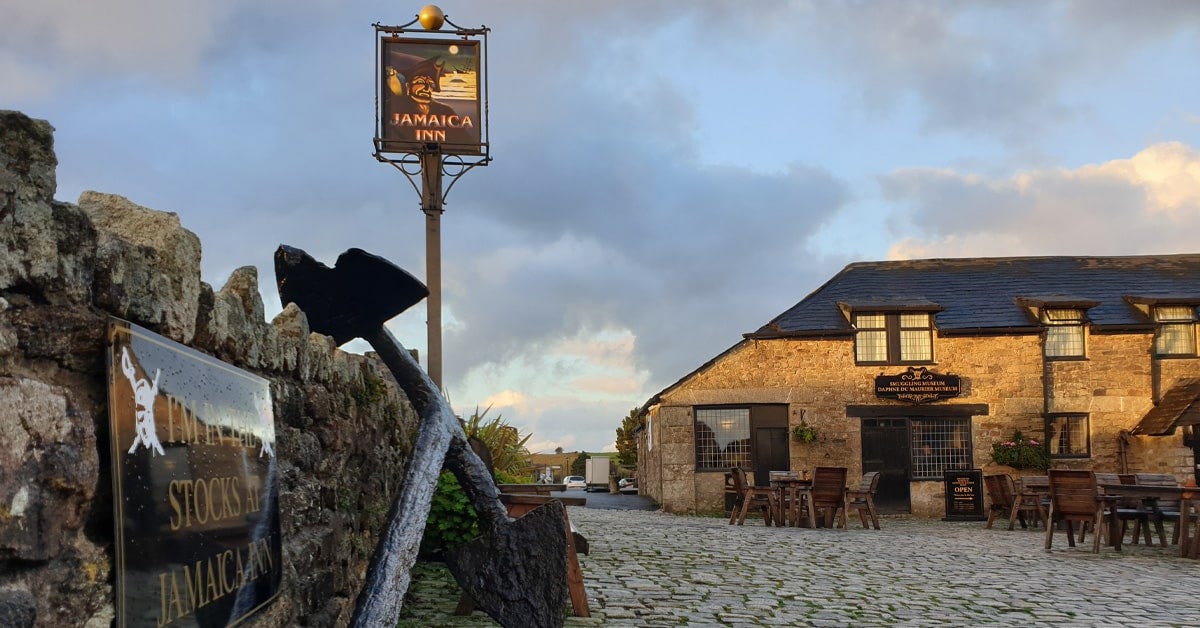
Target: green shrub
x=508 y=478
x=452 y=520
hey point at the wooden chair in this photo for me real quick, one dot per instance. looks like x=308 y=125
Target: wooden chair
x=762 y=498
x=1127 y=509
x=1074 y=498
x=829 y=493
x=1165 y=508
x=863 y=498
x=1007 y=501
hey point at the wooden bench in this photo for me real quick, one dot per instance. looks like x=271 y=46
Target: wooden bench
x=537 y=489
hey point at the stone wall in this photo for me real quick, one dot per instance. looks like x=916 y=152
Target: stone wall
x=343 y=429
x=1115 y=386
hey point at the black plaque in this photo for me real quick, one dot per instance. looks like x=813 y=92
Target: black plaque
x=916 y=385
x=195 y=494
x=964 y=495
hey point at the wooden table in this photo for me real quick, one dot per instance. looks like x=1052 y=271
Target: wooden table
x=797 y=493
x=537 y=489
x=1150 y=495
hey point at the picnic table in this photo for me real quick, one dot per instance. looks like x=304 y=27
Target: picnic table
x=1150 y=495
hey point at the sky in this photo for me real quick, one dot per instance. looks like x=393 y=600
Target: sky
x=666 y=176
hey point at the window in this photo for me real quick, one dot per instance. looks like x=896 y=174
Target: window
x=939 y=444
x=722 y=438
x=893 y=338
x=1064 y=333
x=1176 y=330
x=1067 y=436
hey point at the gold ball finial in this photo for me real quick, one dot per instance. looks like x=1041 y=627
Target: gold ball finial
x=431 y=17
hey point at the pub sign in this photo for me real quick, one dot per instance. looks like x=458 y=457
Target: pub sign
x=916 y=385
x=429 y=94
x=195 y=492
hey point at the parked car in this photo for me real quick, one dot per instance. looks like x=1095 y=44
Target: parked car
x=575 y=481
x=627 y=482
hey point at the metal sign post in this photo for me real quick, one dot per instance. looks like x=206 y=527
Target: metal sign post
x=430 y=122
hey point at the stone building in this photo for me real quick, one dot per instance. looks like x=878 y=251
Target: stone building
x=558 y=464
x=911 y=368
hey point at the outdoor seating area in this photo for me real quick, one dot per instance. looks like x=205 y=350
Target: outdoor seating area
x=791 y=498
x=1104 y=504
x=1071 y=504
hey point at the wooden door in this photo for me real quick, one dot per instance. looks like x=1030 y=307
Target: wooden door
x=770 y=453
x=885 y=448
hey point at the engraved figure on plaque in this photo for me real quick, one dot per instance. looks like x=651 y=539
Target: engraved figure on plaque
x=144 y=394
x=266 y=416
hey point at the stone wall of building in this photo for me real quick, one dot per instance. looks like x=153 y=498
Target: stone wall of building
x=344 y=430
x=817 y=378
x=649 y=467
x=559 y=464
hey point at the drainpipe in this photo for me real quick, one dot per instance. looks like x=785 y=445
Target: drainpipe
x=1047 y=382
x=1123 y=449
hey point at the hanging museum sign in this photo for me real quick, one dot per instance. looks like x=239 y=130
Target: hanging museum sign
x=195 y=493
x=429 y=94
x=916 y=385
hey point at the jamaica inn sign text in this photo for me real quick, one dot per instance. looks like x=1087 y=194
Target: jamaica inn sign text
x=916 y=385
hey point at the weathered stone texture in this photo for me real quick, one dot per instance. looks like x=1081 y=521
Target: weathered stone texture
x=147 y=265
x=343 y=428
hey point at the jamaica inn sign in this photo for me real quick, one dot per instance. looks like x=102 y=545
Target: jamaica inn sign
x=916 y=385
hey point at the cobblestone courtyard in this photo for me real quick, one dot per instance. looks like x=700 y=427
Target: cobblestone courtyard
x=654 y=569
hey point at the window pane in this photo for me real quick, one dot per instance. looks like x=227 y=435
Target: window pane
x=915 y=345
x=1064 y=341
x=940 y=444
x=870 y=321
x=722 y=438
x=1060 y=315
x=871 y=346
x=1175 y=313
x=1176 y=339
x=909 y=321
x=1067 y=435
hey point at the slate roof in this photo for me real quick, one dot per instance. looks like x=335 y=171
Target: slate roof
x=986 y=294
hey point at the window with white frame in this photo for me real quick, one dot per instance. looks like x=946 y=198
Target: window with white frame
x=722 y=438
x=893 y=337
x=1067 y=436
x=939 y=444
x=1064 y=332
x=1176 y=330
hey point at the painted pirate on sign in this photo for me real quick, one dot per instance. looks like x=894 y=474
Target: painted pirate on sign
x=144 y=394
x=431 y=96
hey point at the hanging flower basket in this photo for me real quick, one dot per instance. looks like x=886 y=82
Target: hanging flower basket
x=804 y=433
x=1022 y=453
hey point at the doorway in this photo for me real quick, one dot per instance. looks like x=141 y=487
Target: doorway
x=885 y=448
x=770 y=453
x=769 y=449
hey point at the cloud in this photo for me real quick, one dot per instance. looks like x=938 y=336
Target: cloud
x=1147 y=204
x=611 y=246
x=75 y=43
x=1001 y=70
